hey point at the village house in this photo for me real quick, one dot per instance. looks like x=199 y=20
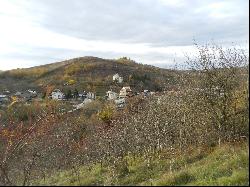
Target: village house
x=6 y=92
x=82 y=96
x=120 y=79
x=117 y=78
x=120 y=103
x=125 y=92
x=27 y=96
x=91 y=95
x=146 y=93
x=3 y=98
x=111 y=95
x=57 y=95
x=32 y=92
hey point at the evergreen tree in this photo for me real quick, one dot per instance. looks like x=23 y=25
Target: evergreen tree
x=76 y=94
x=68 y=94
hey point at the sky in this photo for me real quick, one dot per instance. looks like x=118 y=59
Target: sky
x=155 y=32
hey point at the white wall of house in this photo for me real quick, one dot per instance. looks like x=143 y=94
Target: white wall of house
x=32 y=92
x=111 y=95
x=124 y=91
x=118 y=78
x=120 y=101
x=57 y=95
x=3 y=98
x=91 y=95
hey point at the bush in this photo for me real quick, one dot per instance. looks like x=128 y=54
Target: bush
x=106 y=114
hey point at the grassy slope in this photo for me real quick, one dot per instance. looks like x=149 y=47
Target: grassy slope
x=227 y=165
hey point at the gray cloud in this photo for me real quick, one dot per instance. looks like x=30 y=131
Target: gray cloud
x=148 y=21
x=156 y=23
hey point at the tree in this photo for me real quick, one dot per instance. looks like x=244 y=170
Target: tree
x=44 y=95
x=219 y=74
x=76 y=94
x=49 y=89
x=68 y=94
x=71 y=82
x=106 y=114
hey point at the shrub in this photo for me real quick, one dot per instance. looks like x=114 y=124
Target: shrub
x=106 y=114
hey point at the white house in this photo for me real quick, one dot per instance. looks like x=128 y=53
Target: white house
x=91 y=95
x=146 y=92
x=125 y=91
x=57 y=95
x=32 y=92
x=120 y=103
x=120 y=79
x=82 y=95
x=111 y=95
x=6 y=92
x=3 y=98
x=117 y=78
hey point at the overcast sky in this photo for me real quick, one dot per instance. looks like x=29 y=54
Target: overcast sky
x=157 y=32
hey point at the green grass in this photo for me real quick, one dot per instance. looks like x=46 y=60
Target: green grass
x=225 y=165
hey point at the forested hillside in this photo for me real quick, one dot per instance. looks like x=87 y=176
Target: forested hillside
x=89 y=73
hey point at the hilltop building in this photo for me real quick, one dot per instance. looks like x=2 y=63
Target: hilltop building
x=117 y=78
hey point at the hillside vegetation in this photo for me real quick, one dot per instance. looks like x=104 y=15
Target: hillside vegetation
x=89 y=73
x=196 y=134
x=226 y=165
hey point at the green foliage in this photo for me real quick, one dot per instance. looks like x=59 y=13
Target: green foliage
x=68 y=95
x=106 y=114
x=72 y=69
x=33 y=72
x=134 y=148
x=226 y=165
x=219 y=77
x=94 y=74
x=92 y=108
x=76 y=68
x=71 y=82
x=75 y=93
x=125 y=60
x=43 y=95
x=22 y=112
x=141 y=77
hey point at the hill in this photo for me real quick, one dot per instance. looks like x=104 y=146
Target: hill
x=196 y=134
x=89 y=73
